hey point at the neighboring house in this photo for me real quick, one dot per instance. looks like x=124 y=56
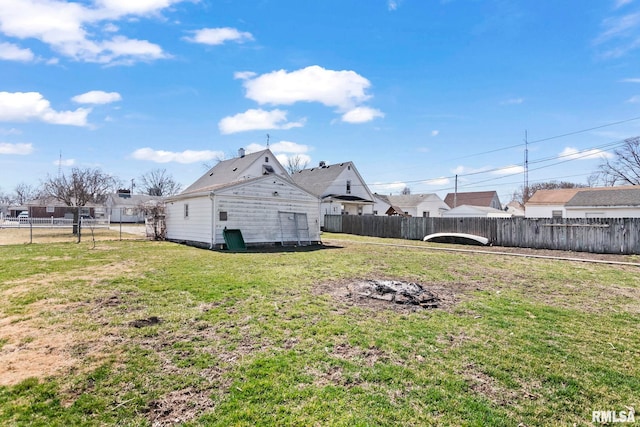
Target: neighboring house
x=477 y=198
x=340 y=188
x=416 y=205
x=467 y=211
x=515 y=208
x=50 y=207
x=251 y=193
x=549 y=203
x=613 y=203
x=597 y=202
x=126 y=207
x=383 y=207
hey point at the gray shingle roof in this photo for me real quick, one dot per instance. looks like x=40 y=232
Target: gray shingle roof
x=612 y=197
x=226 y=172
x=317 y=180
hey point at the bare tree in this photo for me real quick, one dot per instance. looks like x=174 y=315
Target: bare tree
x=624 y=168
x=79 y=188
x=522 y=195
x=295 y=164
x=25 y=193
x=406 y=191
x=6 y=198
x=158 y=182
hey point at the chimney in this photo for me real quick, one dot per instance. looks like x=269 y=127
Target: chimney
x=322 y=164
x=241 y=152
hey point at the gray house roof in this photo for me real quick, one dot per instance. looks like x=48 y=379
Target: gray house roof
x=611 y=197
x=318 y=180
x=233 y=170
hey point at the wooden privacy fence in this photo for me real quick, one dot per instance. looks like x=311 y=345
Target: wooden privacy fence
x=596 y=235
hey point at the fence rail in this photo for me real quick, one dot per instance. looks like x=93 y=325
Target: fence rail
x=52 y=223
x=596 y=235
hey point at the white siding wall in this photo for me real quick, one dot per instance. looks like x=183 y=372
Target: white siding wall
x=253 y=209
x=604 y=212
x=543 y=211
x=339 y=186
x=195 y=228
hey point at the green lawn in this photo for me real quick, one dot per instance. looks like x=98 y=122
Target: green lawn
x=275 y=338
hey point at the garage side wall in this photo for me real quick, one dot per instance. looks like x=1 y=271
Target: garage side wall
x=189 y=220
x=254 y=210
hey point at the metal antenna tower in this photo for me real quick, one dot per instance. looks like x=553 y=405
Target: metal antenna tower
x=526 y=166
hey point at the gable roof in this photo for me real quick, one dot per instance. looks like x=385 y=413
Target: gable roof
x=563 y=196
x=132 y=200
x=612 y=197
x=475 y=198
x=552 y=197
x=233 y=170
x=318 y=180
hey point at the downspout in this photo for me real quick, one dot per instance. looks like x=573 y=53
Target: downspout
x=213 y=216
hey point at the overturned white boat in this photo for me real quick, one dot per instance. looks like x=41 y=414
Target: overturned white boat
x=459 y=238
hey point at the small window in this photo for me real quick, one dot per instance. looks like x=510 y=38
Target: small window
x=348 y=187
x=186 y=210
x=223 y=215
x=425 y=214
x=266 y=160
x=51 y=209
x=556 y=214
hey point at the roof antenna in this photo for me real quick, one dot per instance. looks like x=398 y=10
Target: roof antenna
x=267 y=140
x=60 y=165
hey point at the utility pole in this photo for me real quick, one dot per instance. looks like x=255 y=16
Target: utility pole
x=525 y=191
x=455 y=193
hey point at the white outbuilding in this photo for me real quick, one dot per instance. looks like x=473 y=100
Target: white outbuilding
x=250 y=195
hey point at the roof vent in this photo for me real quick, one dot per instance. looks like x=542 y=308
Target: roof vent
x=322 y=164
x=241 y=153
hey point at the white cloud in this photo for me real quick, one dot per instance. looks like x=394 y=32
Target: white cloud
x=285 y=150
x=117 y=8
x=435 y=132
x=26 y=106
x=218 y=36
x=257 y=119
x=387 y=187
x=342 y=89
x=12 y=52
x=631 y=80
x=19 y=149
x=187 y=156
x=392 y=4
x=619 y=36
x=71 y=28
x=438 y=181
x=97 y=97
x=621 y=3
x=65 y=162
x=508 y=170
x=634 y=99
x=512 y=101
x=361 y=115
x=575 y=154
x=304 y=159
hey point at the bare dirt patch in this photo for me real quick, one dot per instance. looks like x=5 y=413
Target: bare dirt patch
x=363 y=293
x=32 y=351
x=179 y=406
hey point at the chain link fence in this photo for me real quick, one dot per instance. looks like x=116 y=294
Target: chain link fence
x=50 y=230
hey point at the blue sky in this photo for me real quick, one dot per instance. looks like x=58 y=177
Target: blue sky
x=414 y=92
